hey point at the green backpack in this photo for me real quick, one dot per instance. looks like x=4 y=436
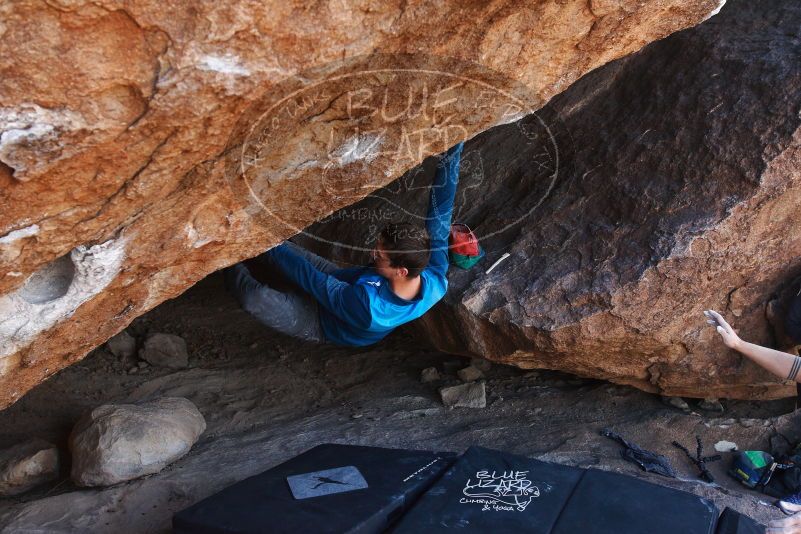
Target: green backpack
x=752 y=468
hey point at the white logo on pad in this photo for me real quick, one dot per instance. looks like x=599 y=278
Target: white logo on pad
x=500 y=491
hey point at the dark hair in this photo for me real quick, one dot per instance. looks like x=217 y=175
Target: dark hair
x=407 y=246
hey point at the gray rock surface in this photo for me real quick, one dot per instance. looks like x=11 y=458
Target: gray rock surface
x=470 y=395
x=165 y=350
x=27 y=465
x=123 y=345
x=118 y=442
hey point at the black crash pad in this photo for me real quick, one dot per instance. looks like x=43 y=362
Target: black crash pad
x=606 y=502
x=492 y=491
x=733 y=522
x=265 y=502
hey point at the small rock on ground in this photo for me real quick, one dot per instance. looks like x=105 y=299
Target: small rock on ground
x=725 y=446
x=429 y=374
x=711 y=405
x=123 y=345
x=165 y=350
x=118 y=442
x=677 y=402
x=469 y=374
x=469 y=395
x=27 y=465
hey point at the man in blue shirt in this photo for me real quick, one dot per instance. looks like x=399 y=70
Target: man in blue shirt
x=359 y=306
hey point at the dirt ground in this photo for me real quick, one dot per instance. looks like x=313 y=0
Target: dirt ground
x=267 y=398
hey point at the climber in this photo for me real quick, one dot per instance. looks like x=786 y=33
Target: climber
x=360 y=305
x=781 y=364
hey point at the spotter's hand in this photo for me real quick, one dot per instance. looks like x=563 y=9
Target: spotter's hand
x=789 y=525
x=730 y=337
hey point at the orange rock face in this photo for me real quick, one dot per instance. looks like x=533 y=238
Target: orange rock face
x=146 y=144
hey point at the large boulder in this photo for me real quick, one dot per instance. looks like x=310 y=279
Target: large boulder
x=27 y=465
x=118 y=442
x=130 y=133
x=660 y=185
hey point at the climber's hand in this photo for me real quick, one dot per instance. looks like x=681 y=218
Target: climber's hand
x=730 y=337
x=789 y=525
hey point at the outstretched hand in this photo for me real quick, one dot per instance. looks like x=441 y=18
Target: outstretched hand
x=730 y=337
x=789 y=525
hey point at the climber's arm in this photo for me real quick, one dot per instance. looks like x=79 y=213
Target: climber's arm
x=779 y=363
x=348 y=274
x=347 y=301
x=440 y=210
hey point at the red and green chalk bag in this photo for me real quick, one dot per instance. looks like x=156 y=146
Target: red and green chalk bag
x=464 y=250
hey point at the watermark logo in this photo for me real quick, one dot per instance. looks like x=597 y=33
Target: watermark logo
x=341 y=144
x=505 y=491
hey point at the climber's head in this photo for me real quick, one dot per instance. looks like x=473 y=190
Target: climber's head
x=402 y=251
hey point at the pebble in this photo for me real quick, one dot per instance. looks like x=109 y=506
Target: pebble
x=165 y=350
x=469 y=395
x=469 y=374
x=429 y=374
x=711 y=404
x=677 y=402
x=725 y=446
x=748 y=423
x=123 y=345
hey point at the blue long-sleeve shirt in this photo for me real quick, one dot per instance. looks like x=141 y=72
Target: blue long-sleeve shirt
x=357 y=306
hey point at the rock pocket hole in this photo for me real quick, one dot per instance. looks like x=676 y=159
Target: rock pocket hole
x=49 y=283
x=6 y=171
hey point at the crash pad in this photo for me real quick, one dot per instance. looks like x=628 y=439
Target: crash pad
x=330 y=488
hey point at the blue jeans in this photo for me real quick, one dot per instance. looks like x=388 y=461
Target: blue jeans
x=292 y=313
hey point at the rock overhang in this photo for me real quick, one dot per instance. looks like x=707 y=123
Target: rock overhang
x=123 y=136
